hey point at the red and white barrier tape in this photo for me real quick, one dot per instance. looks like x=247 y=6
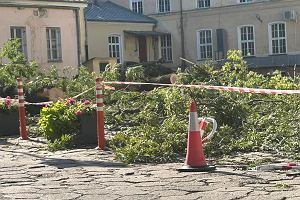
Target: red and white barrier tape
x=27 y=103
x=220 y=88
x=279 y=166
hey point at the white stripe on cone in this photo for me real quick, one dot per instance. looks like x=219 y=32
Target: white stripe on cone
x=194 y=122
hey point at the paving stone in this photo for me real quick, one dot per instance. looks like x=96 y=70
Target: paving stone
x=22 y=196
x=139 y=197
x=18 y=190
x=125 y=191
x=61 y=196
x=95 y=197
x=27 y=171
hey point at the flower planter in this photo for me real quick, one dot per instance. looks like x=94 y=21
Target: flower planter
x=88 y=129
x=9 y=123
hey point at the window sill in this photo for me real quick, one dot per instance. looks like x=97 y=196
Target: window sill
x=204 y=59
x=202 y=8
x=167 y=12
x=55 y=61
x=252 y=56
x=243 y=3
x=168 y=62
x=279 y=54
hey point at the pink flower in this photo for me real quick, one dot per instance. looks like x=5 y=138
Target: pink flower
x=78 y=113
x=71 y=101
x=7 y=102
x=86 y=102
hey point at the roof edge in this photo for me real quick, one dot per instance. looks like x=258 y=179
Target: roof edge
x=46 y=3
x=122 y=21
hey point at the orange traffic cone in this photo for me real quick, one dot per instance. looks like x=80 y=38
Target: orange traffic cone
x=195 y=159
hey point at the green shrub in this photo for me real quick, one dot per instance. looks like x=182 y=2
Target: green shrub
x=113 y=72
x=135 y=74
x=8 y=105
x=247 y=122
x=60 y=122
x=83 y=82
x=152 y=126
x=64 y=142
x=17 y=65
x=147 y=144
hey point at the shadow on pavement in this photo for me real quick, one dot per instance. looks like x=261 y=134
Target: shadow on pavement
x=4 y=140
x=236 y=174
x=69 y=163
x=62 y=163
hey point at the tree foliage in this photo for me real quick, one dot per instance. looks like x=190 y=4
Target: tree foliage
x=247 y=122
x=13 y=64
x=152 y=126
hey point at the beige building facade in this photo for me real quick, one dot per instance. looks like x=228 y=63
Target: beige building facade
x=115 y=31
x=128 y=44
x=266 y=31
x=51 y=32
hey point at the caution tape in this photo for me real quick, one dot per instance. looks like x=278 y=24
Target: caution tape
x=40 y=103
x=220 y=88
x=106 y=87
x=27 y=103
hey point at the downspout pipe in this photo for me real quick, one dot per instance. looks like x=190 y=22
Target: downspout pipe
x=182 y=36
x=86 y=47
x=78 y=37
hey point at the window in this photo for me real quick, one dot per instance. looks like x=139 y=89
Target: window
x=203 y=3
x=247 y=40
x=204 y=44
x=20 y=33
x=114 y=47
x=137 y=6
x=163 y=6
x=245 y=1
x=166 y=47
x=277 y=38
x=54 y=44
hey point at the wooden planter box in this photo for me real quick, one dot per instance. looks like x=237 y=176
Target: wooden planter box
x=88 y=129
x=9 y=123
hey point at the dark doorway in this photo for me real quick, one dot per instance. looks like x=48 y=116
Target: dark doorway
x=143 y=49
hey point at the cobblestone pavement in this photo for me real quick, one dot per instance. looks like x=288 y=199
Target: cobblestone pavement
x=28 y=171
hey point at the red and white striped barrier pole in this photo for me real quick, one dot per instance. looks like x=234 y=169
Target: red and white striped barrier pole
x=23 y=131
x=100 y=114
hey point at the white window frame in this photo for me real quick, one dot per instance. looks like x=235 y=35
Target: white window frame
x=244 y=1
x=167 y=48
x=278 y=38
x=23 y=39
x=57 y=40
x=165 y=11
x=197 y=4
x=120 y=58
x=207 y=44
x=246 y=41
x=136 y=1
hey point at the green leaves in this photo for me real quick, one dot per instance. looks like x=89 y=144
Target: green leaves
x=135 y=74
x=152 y=144
x=16 y=65
x=60 y=122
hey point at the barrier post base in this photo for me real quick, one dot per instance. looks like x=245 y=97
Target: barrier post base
x=205 y=168
x=105 y=148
